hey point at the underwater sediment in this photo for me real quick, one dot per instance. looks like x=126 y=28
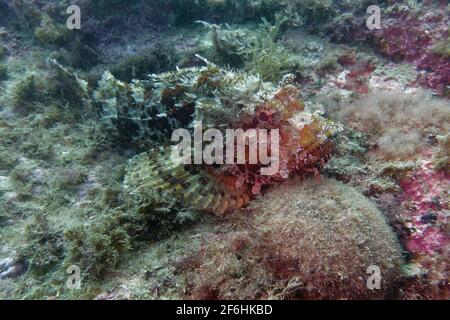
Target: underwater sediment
x=87 y=178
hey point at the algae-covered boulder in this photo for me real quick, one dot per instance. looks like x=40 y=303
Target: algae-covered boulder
x=303 y=240
x=327 y=235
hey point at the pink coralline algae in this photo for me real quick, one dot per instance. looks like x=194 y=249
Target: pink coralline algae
x=409 y=38
x=356 y=76
x=439 y=77
x=425 y=203
x=406 y=35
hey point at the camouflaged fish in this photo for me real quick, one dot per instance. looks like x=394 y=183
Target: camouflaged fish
x=221 y=99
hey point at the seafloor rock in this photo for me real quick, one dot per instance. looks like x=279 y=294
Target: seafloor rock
x=308 y=240
x=424 y=213
x=411 y=32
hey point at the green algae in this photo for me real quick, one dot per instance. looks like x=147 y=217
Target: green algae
x=256 y=50
x=44 y=246
x=158 y=59
x=3 y=72
x=442 y=48
x=50 y=34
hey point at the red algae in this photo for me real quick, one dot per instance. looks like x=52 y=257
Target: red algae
x=425 y=201
x=410 y=38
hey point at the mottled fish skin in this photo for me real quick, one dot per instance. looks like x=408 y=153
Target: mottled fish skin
x=305 y=145
x=305 y=136
x=195 y=186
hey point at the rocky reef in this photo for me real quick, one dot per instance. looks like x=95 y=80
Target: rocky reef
x=87 y=178
x=413 y=32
